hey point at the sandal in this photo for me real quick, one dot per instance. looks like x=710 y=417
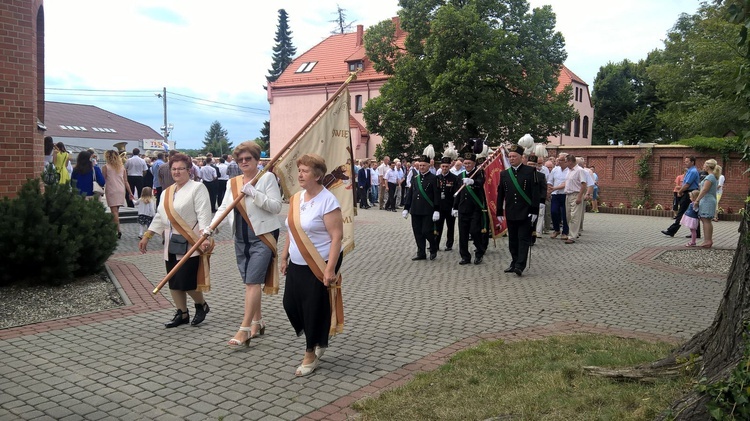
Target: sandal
x=261 y=331
x=319 y=352
x=707 y=245
x=690 y=245
x=306 y=369
x=235 y=343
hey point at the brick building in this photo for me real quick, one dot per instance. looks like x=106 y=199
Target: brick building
x=21 y=92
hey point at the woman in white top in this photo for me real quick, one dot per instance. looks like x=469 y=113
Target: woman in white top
x=315 y=226
x=255 y=225
x=185 y=202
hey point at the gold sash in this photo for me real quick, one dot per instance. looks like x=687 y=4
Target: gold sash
x=317 y=265
x=182 y=227
x=271 y=285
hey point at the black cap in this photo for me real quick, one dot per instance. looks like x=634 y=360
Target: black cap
x=517 y=149
x=446 y=160
x=424 y=158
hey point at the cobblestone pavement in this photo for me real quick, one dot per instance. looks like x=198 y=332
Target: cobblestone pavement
x=123 y=364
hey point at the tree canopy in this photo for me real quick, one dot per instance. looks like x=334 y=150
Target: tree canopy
x=216 y=140
x=685 y=89
x=468 y=69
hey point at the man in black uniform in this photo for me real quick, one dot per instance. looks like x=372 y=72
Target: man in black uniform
x=470 y=206
x=448 y=184
x=518 y=204
x=424 y=207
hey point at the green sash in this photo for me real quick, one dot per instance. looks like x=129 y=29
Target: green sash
x=421 y=190
x=518 y=187
x=480 y=204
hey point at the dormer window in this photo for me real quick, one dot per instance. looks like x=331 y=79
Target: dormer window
x=306 y=67
x=356 y=65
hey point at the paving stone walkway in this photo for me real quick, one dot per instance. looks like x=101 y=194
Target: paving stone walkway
x=401 y=317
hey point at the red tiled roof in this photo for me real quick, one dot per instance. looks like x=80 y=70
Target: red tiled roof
x=98 y=123
x=354 y=124
x=566 y=78
x=332 y=55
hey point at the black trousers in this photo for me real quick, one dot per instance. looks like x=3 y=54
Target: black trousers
x=471 y=224
x=391 y=204
x=424 y=232
x=450 y=221
x=362 y=196
x=211 y=187
x=684 y=203
x=519 y=240
x=136 y=185
x=221 y=188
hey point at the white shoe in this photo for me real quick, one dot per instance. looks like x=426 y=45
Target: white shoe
x=306 y=369
x=319 y=352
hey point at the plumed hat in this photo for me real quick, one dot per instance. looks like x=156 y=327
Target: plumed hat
x=450 y=151
x=446 y=160
x=471 y=149
x=527 y=143
x=515 y=148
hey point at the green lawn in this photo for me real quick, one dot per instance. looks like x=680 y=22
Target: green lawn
x=532 y=380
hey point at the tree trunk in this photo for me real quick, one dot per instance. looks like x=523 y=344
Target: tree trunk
x=721 y=344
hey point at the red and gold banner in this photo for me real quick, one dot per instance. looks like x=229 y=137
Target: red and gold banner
x=491 y=182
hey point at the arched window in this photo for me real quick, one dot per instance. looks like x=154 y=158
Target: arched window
x=577 y=127
x=567 y=129
x=585 y=127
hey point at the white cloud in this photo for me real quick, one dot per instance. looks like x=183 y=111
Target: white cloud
x=221 y=50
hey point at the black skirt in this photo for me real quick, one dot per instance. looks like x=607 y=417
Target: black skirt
x=307 y=304
x=186 y=279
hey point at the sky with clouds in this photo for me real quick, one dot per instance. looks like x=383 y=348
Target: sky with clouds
x=213 y=57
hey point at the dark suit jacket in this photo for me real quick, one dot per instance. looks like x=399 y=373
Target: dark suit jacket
x=464 y=202
x=447 y=184
x=418 y=205
x=510 y=200
x=363 y=177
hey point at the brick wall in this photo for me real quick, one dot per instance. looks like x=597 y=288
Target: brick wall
x=616 y=168
x=21 y=92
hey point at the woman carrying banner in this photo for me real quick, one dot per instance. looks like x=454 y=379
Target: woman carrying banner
x=311 y=259
x=256 y=230
x=184 y=211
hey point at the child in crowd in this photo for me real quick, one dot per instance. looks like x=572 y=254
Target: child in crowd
x=690 y=218
x=146 y=210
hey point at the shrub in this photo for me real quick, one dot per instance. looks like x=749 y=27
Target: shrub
x=50 y=237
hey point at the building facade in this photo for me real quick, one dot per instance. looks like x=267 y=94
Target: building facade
x=21 y=93
x=576 y=132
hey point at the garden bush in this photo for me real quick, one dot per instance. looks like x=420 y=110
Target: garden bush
x=53 y=236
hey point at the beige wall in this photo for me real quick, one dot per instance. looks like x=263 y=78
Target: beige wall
x=292 y=108
x=584 y=109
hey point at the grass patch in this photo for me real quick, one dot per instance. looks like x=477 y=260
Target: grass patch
x=532 y=380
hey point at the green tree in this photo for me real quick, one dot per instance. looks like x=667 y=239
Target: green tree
x=695 y=75
x=216 y=140
x=624 y=104
x=264 y=141
x=341 y=24
x=284 y=50
x=468 y=69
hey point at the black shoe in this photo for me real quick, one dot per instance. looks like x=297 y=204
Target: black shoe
x=433 y=256
x=510 y=269
x=448 y=248
x=200 y=313
x=418 y=257
x=665 y=232
x=464 y=262
x=518 y=271
x=478 y=260
x=178 y=319
x=691 y=236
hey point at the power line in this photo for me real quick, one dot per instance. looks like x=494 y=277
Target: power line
x=248 y=111
x=216 y=102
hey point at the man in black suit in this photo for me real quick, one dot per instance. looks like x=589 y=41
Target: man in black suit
x=518 y=203
x=363 y=184
x=424 y=207
x=470 y=206
x=448 y=184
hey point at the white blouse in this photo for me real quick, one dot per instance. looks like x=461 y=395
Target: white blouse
x=191 y=202
x=311 y=212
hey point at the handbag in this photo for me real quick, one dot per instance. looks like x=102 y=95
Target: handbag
x=98 y=190
x=178 y=245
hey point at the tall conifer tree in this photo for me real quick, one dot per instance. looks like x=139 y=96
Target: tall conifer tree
x=284 y=51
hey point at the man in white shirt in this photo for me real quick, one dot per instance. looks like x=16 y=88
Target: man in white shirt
x=458 y=166
x=575 y=188
x=589 y=186
x=375 y=183
x=391 y=178
x=556 y=187
x=382 y=169
x=135 y=167
x=210 y=175
x=221 y=184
